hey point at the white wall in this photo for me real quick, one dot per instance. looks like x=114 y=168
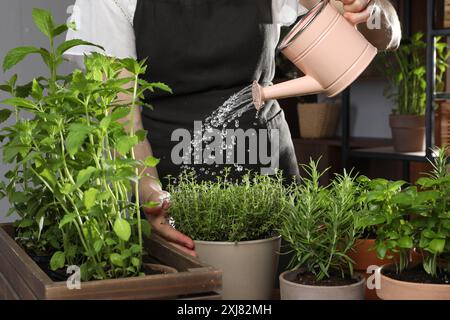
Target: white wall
x=17 y=29
x=370 y=109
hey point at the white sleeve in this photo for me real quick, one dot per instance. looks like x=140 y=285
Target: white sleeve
x=108 y=23
x=286 y=12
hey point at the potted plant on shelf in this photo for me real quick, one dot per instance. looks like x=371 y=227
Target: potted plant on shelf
x=321 y=228
x=234 y=227
x=427 y=232
x=73 y=172
x=406 y=73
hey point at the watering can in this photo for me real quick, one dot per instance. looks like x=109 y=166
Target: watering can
x=327 y=48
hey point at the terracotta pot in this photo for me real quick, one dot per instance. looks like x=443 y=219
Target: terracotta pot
x=391 y=289
x=408 y=132
x=290 y=290
x=364 y=256
x=249 y=267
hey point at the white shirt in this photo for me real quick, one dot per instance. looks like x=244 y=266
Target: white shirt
x=109 y=23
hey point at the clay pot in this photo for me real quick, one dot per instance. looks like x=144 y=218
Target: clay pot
x=408 y=132
x=249 y=267
x=391 y=289
x=290 y=290
x=364 y=256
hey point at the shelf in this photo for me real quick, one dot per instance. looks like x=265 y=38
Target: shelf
x=389 y=153
x=442 y=96
x=359 y=142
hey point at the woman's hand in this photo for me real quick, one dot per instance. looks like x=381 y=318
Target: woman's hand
x=356 y=11
x=158 y=217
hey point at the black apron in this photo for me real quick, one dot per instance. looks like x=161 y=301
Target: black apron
x=207 y=50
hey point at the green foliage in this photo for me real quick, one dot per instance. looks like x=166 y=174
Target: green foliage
x=320 y=225
x=385 y=209
x=225 y=210
x=417 y=217
x=406 y=72
x=67 y=184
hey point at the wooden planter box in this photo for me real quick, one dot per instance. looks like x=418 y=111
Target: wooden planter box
x=22 y=278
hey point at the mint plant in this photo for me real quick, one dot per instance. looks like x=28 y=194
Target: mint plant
x=320 y=225
x=227 y=210
x=73 y=167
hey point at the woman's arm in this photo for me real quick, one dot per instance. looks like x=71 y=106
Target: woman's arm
x=149 y=188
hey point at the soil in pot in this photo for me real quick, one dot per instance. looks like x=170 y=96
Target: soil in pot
x=335 y=280
x=417 y=275
x=44 y=263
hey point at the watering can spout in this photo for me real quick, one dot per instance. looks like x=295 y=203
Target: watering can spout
x=306 y=85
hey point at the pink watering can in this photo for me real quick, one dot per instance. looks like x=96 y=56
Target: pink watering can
x=327 y=48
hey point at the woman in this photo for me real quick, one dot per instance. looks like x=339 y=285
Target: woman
x=205 y=50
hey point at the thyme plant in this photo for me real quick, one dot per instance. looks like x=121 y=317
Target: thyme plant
x=73 y=168
x=321 y=224
x=226 y=210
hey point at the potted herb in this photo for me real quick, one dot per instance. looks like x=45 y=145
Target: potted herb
x=321 y=228
x=234 y=227
x=406 y=73
x=73 y=172
x=427 y=232
x=376 y=206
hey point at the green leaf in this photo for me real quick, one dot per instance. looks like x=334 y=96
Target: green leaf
x=84 y=175
x=116 y=259
x=151 y=204
x=98 y=244
x=90 y=198
x=68 y=218
x=405 y=242
x=141 y=134
x=49 y=177
x=16 y=55
x=161 y=86
x=78 y=133
x=136 y=262
x=151 y=161
x=146 y=228
x=4 y=115
x=122 y=229
x=20 y=102
x=60 y=29
x=125 y=144
x=437 y=245
x=36 y=90
x=57 y=261
x=44 y=21
x=120 y=113
x=67 y=45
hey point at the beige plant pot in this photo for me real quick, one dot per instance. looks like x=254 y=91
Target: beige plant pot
x=290 y=290
x=318 y=120
x=249 y=268
x=391 y=289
